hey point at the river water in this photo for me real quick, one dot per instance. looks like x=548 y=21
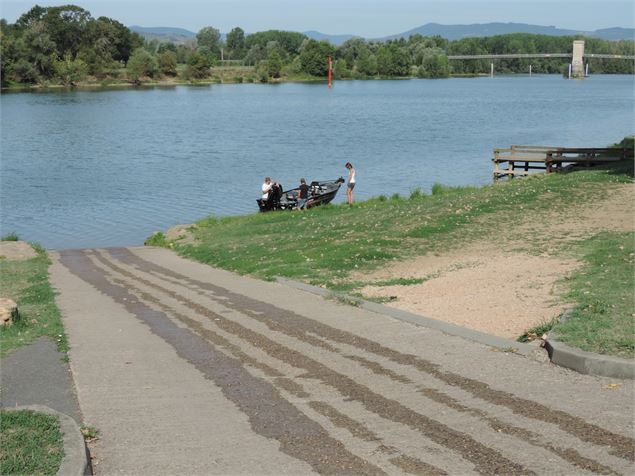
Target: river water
x=109 y=167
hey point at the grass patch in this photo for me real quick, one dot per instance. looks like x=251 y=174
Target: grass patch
x=324 y=245
x=30 y=442
x=603 y=319
x=27 y=283
x=399 y=282
x=537 y=332
x=13 y=236
x=90 y=433
x=156 y=239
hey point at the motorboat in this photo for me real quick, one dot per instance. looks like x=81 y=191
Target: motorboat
x=320 y=193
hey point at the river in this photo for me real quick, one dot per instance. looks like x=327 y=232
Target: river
x=109 y=167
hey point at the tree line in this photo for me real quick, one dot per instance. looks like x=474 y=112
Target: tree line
x=65 y=44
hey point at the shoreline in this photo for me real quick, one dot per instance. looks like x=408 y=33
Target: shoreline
x=165 y=83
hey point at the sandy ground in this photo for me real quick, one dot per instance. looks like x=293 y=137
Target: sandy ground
x=16 y=251
x=502 y=292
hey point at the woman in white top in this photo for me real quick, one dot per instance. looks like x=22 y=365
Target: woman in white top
x=351 y=182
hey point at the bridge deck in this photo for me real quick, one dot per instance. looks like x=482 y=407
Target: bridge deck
x=537 y=55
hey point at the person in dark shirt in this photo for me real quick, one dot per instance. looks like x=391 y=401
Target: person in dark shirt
x=303 y=194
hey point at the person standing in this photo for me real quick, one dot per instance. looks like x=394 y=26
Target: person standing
x=351 y=182
x=303 y=194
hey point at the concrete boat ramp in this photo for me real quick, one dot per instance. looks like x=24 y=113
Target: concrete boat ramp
x=187 y=369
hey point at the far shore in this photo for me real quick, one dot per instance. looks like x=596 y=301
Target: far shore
x=173 y=82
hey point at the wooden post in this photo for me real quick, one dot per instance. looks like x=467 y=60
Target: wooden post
x=549 y=161
x=496 y=165
x=491 y=70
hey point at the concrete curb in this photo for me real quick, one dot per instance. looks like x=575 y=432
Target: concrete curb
x=451 y=329
x=75 y=461
x=559 y=353
x=587 y=362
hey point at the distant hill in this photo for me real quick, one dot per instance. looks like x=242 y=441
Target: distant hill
x=333 y=39
x=451 y=32
x=164 y=33
x=615 y=34
x=456 y=32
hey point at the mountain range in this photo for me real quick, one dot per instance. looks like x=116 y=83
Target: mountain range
x=451 y=32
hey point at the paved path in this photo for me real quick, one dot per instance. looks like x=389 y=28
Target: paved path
x=187 y=369
x=37 y=374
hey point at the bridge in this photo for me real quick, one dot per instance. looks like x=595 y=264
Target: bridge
x=577 y=67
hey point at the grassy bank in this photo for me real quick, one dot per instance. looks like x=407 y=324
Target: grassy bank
x=27 y=283
x=30 y=443
x=603 y=319
x=323 y=246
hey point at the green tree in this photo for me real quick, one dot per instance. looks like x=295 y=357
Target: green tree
x=167 y=46
x=70 y=71
x=236 y=42
x=167 y=63
x=198 y=66
x=290 y=41
x=113 y=38
x=24 y=72
x=367 y=63
x=393 y=60
x=98 y=61
x=314 y=57
x=341 y=69
x=67 y=25
x=274 y=63
x=141 y=63
x=208 y=42
x=39 y=49
x=436 y=66
x=27 y=19
x=255 y=55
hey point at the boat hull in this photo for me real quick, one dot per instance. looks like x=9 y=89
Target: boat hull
x=320 y=193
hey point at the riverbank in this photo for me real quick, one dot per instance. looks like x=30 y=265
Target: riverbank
x=505 y=259
x=233 y=75
x=25 y=280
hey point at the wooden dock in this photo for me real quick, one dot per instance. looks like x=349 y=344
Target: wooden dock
x=521 y=160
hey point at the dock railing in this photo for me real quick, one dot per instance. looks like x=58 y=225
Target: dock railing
x=522 y=159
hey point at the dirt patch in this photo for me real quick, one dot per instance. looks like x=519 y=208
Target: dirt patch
x=181 y=233
x=16 y=251
x=500 y=294
x=486 y=288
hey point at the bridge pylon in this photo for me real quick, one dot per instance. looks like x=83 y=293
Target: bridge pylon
x=577 y=60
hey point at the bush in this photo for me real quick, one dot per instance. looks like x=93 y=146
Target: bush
x=167 y=63
x=157 y=239
x=198 y=66
x=141 y=63
x=70 y=70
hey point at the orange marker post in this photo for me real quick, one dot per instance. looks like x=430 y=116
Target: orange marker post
x=330 y=72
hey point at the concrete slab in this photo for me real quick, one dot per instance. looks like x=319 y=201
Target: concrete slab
x=37 y=374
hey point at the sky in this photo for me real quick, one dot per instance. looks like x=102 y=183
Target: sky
x=367 y=18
